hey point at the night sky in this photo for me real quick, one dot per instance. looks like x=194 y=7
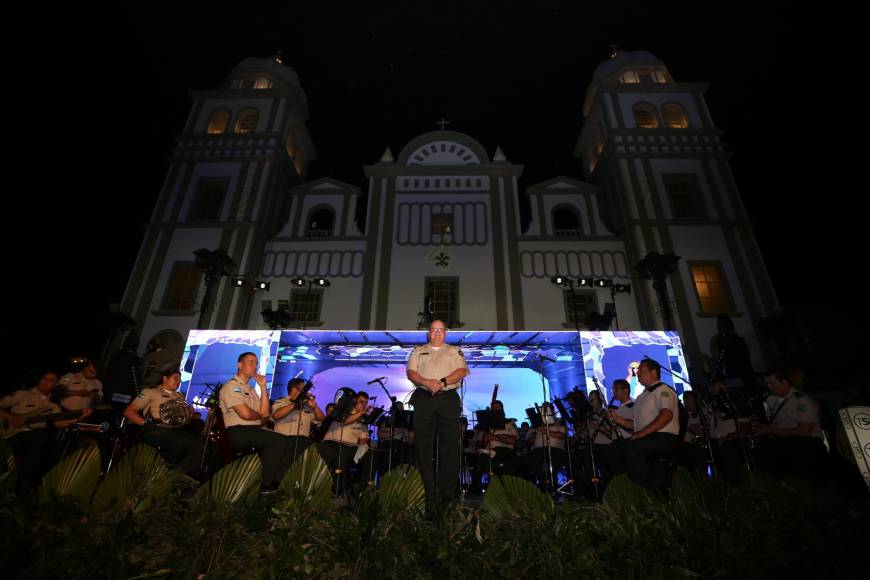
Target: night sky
x=110 y=93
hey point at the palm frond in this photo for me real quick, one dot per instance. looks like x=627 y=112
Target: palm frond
x=235 y=482
x=402 y=490
x=308 y=483
x=74 y=478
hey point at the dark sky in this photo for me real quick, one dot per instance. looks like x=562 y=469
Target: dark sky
x=111 y=86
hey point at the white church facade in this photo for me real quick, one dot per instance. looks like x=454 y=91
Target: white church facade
x=443 y=219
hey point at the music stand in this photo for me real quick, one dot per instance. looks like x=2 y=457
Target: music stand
x=490 y=419
x=535 y=418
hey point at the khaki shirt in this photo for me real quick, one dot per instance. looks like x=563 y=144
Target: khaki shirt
x=29 y=401
x=626 y=411
x=402 y=434
x=296 y=422
x=347 y=434
x=794 y=408
x=433 y=362
x=647 y=407
x=77 y=382
x=539 y=439
x=149 y=401
x=237 y=392
x=510 y=428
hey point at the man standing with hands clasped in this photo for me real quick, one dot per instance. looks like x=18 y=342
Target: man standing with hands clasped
x=437 y=369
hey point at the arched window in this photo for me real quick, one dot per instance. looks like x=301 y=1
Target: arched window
x=218 y=121
x=247 y=121
x=566 y=222
x=675 y=117
x=645 y=116
x=320 y=223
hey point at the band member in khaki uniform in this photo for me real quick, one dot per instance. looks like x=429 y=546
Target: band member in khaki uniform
x=655 y=427
x=495 y=450
x=162 y=412
x=81 y=390
x=294 y=422
x=436 y=369
x=33 y=442
x=537 y=460
x=342 y=440
x=244 y=412
x=792 y=439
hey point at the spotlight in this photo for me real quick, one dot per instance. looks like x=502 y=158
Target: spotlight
x=584 y=282
x=322 y=282
x=559 y=281
x=603 y=283
x=622 y=288
x=238 y=282
x=260 y=285
x=297 y=282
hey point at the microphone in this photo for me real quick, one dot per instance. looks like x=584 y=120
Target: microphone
x=377 y=380
x=542 y=357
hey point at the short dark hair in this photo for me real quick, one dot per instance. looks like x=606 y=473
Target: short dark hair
x=295 y=382
x=362 y=394
x=244 y=354
x=653 y=366
x=169 y=371
x=779 y=374
x=621 y=383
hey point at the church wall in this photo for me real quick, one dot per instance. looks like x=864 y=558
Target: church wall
x=628 y=100
x=263 y=106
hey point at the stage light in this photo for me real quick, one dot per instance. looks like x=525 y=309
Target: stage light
x=260 y=285
x=603 y=283
x=238 y=282
x=559 y=281
x=584 y=282
x=322 y=282
x=622 y=288
x=297 y=282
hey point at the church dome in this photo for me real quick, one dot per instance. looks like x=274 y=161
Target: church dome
x=251 y=66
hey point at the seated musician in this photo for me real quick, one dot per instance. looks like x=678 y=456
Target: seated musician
x=295 y=422
x=792 y=437
x=33 y=440
x=538 y=460
x=694 y=452
x=342 y=441
x=163 y=413
x=655 y=426
x=395 y=443
x=727 y=433
x=80 y=389
x=495 y=450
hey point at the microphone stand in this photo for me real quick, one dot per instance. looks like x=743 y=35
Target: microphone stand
x=541 y=359
x=392 y=422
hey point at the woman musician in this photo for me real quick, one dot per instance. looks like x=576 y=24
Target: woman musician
x=162 y=413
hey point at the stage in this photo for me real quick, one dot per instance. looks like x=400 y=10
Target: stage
x=529 y=366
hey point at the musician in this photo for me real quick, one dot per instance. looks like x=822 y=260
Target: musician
x=294 y=421
x=398 y=441
x=727 y=433
x=655 y=425
x=495 y=450
x=343 y=439
x=604 y=451
x=244 y=412
x=163 y=413
x=792 y=438
x=538 y=459
x=436 y=369
x=82 y=389
x=33 y=443
x=695 y=454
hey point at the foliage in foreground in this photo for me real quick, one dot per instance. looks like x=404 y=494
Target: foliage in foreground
x=146 y=522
